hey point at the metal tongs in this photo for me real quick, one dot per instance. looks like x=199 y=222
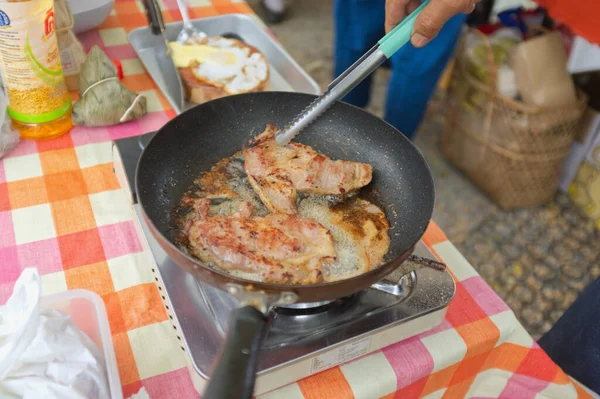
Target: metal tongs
x=352 y=76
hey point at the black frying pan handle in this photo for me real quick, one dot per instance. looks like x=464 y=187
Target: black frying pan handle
x=234 y=375
x=154 y=16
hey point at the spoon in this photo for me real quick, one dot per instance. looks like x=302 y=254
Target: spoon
x=188 y=31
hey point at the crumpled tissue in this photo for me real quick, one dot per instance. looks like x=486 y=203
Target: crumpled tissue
x=141 y=394
x=42 y=352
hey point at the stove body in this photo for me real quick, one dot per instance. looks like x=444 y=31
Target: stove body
x=301 y=341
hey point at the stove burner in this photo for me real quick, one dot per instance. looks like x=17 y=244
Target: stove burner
x=306 y=306
x=309 y=308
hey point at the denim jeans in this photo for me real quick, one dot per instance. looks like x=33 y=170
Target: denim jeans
x=574 y=341
x=359 y=24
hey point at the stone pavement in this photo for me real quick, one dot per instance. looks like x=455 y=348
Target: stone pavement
x=537 y=259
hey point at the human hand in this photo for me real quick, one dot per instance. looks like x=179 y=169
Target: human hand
x=431 y=20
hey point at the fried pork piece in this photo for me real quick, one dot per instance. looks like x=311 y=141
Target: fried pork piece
x=277 y=172
x=216 y=182
x=277 y=248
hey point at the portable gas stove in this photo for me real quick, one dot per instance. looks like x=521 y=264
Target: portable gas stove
x=304 y=338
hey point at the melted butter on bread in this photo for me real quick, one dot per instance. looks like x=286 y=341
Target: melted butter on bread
x=185 y=54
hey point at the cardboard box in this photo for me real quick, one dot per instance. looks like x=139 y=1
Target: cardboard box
x=584 y=57
x=588 y=131
x=585 y=189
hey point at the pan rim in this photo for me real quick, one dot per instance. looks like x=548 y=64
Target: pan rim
x=275 y=286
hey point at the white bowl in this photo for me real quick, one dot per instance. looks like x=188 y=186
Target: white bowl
x=88 y=14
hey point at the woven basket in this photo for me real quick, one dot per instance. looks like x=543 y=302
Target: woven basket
x=512 y=151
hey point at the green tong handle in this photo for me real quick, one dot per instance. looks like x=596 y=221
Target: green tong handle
x=401 y=33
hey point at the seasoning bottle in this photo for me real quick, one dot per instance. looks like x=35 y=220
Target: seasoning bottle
x=38 y=100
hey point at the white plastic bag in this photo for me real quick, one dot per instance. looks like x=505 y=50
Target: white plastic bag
x=9 y=137
x=502 y=42
x=42 y=352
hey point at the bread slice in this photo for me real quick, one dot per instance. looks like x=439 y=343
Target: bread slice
x=199 y=89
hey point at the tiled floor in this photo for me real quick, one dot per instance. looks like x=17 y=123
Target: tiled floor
x=537 y=259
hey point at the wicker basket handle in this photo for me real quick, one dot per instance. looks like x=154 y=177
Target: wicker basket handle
x=490 y=58
x=492 y=89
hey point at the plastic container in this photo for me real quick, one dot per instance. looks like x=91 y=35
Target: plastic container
x=89 y=314
x=88 y=14
x=38 y=100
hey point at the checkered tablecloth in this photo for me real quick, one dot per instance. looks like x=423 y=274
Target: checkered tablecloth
x=62 y=211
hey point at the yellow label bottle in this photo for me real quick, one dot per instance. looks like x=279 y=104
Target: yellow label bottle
x=38 y=100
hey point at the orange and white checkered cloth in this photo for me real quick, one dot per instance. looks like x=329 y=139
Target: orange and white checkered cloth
x=62 y=211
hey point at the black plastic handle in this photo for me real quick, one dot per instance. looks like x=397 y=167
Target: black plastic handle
x=154 y=16
x=234 y=375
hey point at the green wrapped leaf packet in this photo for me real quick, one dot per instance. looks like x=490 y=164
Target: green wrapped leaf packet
x=103 y=99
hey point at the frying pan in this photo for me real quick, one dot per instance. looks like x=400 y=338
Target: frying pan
x=192 y=142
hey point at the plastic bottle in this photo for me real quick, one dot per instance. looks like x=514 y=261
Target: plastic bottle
x=38 y=100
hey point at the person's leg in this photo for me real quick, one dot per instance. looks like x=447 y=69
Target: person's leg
x=358 y=25
x=275 y=10
x=574 y=341
x=415 y=73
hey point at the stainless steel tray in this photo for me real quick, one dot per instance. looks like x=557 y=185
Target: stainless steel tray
x=286 y=74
